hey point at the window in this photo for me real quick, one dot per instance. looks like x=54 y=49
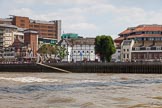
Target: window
x=36 y=26
x=148 y=48
x=157 y=38
x=50 y=31
x=127 y=55
x=22 y=25
x=50 y=27
x=158 y=48
x=128 y=50
x=91 y=51
x=22 y=21
x=137 y=48
x=151 y=38
x=139 y=39
x=138 y=33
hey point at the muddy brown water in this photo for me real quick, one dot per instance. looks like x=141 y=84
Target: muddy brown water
x=80 y=90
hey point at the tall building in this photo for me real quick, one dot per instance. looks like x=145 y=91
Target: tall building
x=7 y=37
x=46 y=29
x=147 y=45
x=31 y=41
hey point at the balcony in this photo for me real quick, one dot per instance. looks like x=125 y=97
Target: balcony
x=147 y=49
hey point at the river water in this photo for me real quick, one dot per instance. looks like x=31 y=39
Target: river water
x=80 y=90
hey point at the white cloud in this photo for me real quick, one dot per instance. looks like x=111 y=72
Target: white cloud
x=71 y=20
x=135 y=16
x=79 y=15
x=21 y=12
x=82 y=26
x=51 y=2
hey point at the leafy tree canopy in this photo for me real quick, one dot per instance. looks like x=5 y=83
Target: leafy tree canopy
x=62 y=52
x=58 y=51
x=104 y=46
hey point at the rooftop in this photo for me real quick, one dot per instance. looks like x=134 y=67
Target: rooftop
x=42 y=22
x=153 y=27
x=30 y=31
x=80 y=41
x=8 y=26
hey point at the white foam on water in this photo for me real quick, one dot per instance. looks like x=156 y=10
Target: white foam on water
x=29 y=79
x=89 y=81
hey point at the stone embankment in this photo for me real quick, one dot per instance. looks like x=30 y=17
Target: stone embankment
x=84 y=67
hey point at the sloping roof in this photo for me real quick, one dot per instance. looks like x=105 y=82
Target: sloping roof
x=8 y=26
x=119 y=38
x=153 y=27
x=79 y=41
x=6 y=19
x=128 y=30
x=31 y=31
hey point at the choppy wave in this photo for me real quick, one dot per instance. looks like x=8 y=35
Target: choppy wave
x=29 y=79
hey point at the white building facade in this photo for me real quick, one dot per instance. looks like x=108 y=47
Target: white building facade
x=80 y=49
x=126 y=49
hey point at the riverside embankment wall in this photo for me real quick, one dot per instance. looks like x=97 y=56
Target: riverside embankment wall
x=25 y=67
x=111 y=67
x=86 y=67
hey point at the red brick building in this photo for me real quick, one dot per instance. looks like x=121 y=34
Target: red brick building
x=46 y=29
x=31 y=40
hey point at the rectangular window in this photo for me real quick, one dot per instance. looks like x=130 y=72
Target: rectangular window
x=22 y=25
x=157 y=38
x=22 y=21
x=137 y=48
x=158 y=48
x=148 y=48
x=151 y=39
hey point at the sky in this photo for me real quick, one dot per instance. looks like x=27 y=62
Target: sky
x=88 y=18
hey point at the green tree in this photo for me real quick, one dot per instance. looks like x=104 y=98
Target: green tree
x=43 y=49
x=104 y=46
x=62 y=52
x=47 y=50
